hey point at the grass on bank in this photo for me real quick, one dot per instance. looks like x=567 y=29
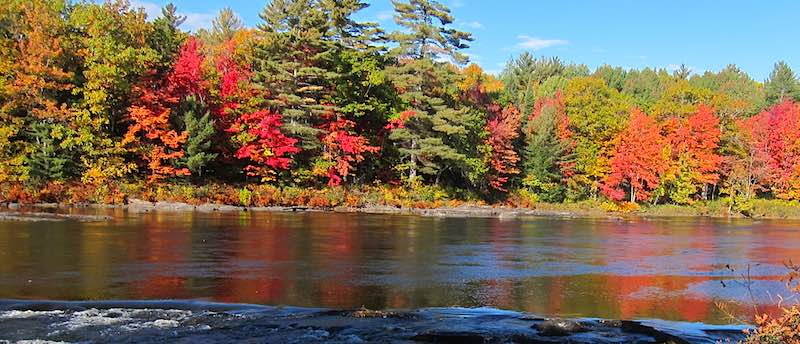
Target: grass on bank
x=416 y=196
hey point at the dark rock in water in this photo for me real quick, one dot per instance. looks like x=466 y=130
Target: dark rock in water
x=197 y=322
x=559 y=327
x=452 y=337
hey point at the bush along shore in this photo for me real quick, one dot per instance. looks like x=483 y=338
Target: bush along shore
x=420 y=200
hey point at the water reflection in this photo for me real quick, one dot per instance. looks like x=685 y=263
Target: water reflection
x=669 y=269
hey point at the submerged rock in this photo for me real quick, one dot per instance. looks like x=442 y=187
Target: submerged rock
x=559 y=327
x=196 y=322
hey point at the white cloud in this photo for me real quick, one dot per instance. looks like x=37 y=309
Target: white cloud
x=535 y=43
x=474 y=24
x=195 y=21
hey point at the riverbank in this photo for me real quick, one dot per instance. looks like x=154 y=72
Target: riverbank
x=189 y=322
x=421 y=201
x=56 y=211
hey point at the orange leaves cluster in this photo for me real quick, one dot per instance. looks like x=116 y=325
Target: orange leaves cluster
x=150 y=128
x=503 y=128
x=637 y=159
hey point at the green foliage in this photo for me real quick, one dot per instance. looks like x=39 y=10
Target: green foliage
x=48 y=159
x=245 y=197
x=545 y=154
x=782 y=83
x=596 y=115
x=200 y=131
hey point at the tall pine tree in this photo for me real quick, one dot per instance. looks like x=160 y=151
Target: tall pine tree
x=436 y=135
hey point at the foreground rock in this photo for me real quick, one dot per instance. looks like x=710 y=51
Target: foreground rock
x=191 y=322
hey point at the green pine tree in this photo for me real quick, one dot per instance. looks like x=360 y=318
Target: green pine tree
x=200 y=131
x=167 y=37
x=47 y=160
x=545 y=153
x=782 y=84
x=441 y=135
x=293 y=65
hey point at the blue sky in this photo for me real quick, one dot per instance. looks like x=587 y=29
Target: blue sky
x=703 y=34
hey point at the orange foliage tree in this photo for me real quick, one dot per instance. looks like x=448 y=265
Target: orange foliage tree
x=503 y=128
x=637 y=160
x=150 y=130
x=150 y=115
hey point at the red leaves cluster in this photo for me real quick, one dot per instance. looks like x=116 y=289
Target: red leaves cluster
x=637 y=159
x=399 y=122
x=342 y=147
x=267 y=149
x=775 y=140
x=697 y=139
x=151 y=109
x=503 y=128
x=187 y=74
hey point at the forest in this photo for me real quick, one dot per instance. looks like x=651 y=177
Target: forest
x=99 y=103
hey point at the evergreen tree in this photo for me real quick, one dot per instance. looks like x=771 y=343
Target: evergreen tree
x=547 y=152
x=436 y=135
x=782 y=84
x=223 y=28
x=200 y=132
x=523 y=76
x=47 y=160
x=167 y=38
x=293 y=65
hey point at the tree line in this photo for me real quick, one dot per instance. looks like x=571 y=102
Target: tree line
x=312 y=97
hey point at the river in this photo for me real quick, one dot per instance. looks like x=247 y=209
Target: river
x=670 y=269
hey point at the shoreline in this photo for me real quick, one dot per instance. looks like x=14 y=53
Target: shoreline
x=38 y=211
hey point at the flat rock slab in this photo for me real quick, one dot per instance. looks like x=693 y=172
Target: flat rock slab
x=195 y=322
x=22 y=216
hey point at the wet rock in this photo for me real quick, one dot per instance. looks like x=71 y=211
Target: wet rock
x=659 y=336
x=453 y=337
x=559 y=327
x=24 y=216
x=196 y=322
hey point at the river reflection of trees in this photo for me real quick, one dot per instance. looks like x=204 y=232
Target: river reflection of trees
x=669 y=269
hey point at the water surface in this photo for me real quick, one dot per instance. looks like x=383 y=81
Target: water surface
x=674 y=269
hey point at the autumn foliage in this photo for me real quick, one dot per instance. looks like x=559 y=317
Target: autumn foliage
x=265 y=148
x=637 y=161
x=342 y=148
x=775 y=139
x=503 y=128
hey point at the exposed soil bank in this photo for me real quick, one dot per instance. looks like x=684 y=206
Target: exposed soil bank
x=197 y=322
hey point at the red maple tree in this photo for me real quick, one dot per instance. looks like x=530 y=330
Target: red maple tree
x=637 y=160
x=342 y=148
x=503 y=128
x=697 y=139
x=775 y=141
x=186 y=77
x=263 y=144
